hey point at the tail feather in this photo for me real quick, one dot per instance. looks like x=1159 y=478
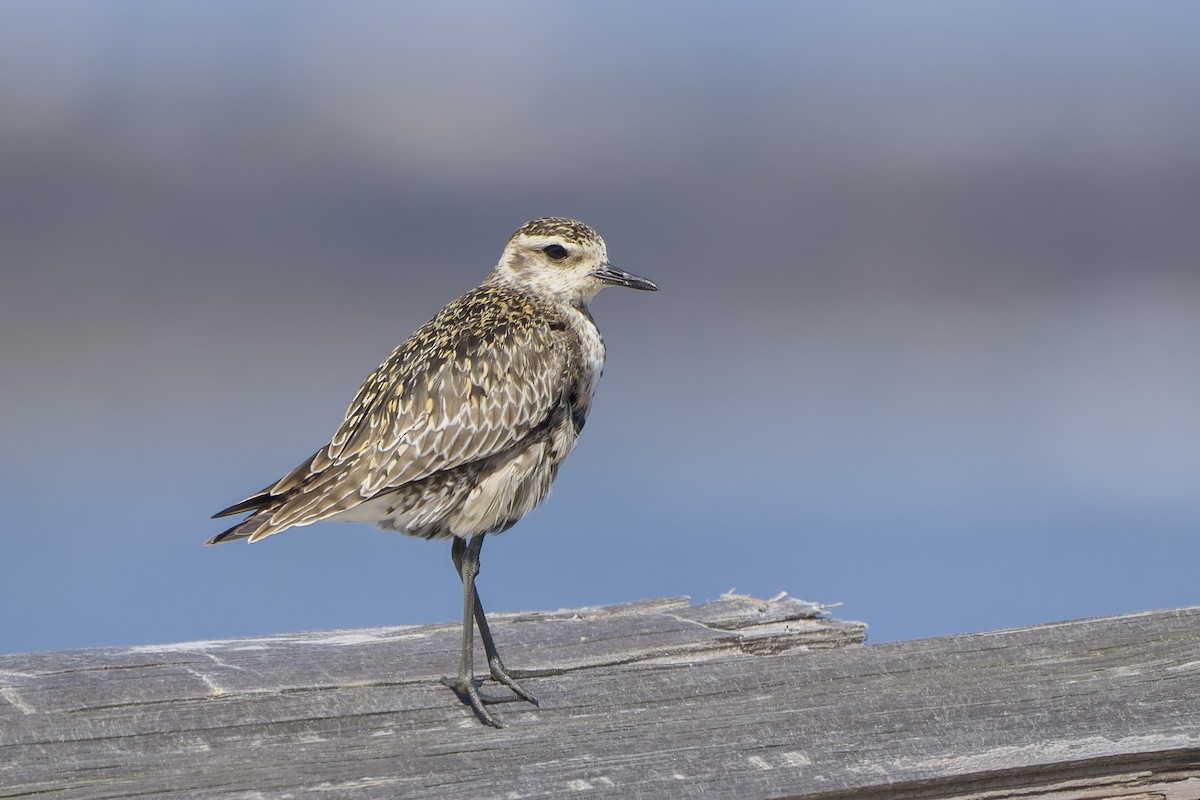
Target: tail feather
x=255 y=502
x=263 y=504
x=273 y=494
x=243 y=530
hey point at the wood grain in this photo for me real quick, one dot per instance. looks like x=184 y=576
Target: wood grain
x=735 y=698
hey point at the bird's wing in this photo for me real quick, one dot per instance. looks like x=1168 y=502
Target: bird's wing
x=468 y=384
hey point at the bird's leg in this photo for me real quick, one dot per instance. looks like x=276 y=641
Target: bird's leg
x=466 y=560
x=495 y=665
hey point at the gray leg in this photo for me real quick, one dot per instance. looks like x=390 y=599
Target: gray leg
x=495 y=665
x=466 y=561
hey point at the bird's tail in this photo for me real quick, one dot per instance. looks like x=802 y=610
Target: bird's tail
x=258 y=502
x=263 y=504
x=243 y=530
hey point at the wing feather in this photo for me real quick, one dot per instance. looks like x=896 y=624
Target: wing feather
x=470 y=383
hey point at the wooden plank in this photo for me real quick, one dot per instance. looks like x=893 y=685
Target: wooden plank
x=655 y=699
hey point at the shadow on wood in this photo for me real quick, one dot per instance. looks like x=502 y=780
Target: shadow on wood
x=651 y=699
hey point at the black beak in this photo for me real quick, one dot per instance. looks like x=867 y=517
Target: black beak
x=615 y=277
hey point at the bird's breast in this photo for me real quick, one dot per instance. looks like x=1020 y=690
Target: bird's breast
x=588 y=363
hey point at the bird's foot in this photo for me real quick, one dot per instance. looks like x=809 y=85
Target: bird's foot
x=502 y=675
x=467 y=690
x=464 y=687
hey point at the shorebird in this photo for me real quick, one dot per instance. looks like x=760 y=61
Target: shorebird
x=460 y=431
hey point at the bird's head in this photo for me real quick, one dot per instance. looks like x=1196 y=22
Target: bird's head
x=562 y=259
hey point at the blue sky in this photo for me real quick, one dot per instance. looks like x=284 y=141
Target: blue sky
x=926 y=341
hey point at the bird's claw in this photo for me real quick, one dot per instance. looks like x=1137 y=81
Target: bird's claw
x=501 y=675
x=468 y=692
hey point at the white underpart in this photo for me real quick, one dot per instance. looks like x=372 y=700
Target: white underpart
x=506 y=493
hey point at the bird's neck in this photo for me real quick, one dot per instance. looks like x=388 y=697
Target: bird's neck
x=545 y=289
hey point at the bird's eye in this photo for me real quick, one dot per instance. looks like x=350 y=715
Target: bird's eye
x=556 y=252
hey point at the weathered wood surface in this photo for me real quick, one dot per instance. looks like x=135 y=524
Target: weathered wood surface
x=653 y=699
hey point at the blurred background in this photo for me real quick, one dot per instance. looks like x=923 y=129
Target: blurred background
x=927 y=341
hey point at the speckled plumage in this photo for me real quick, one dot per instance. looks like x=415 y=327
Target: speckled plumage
x=571 y=229
x=460 y=431
x=489 y=375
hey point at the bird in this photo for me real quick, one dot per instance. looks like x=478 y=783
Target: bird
x=460 y=431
